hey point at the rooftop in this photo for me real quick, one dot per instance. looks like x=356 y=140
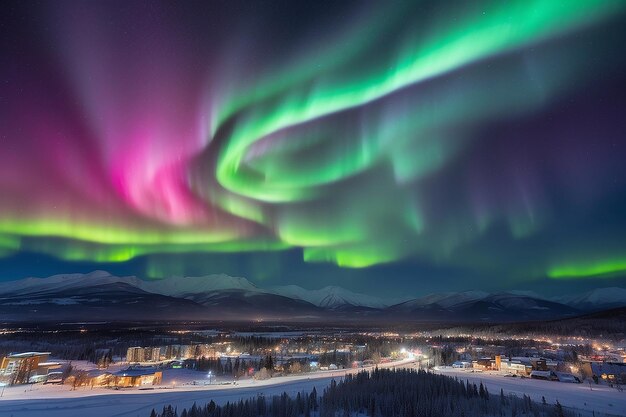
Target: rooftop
x=27 y=354
x=136 y=372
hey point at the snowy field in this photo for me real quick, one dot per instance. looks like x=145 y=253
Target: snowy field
x=600 y=398
x=60 y=401
x=140 y=403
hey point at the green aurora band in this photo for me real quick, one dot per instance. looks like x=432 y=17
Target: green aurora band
x=332 y=151
x=600 y=269
x=484 y=32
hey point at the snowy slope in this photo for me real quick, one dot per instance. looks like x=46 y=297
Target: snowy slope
x=482 y=306
x=60 y=282
x=445 y=299
x=224 y=291
x=330 y=297
x=600 y=298
x=190 y=287
x=177 y=286
x=183 y=286
x=88 y=296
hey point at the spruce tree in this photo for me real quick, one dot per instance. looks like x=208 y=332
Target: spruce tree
x=558 y=409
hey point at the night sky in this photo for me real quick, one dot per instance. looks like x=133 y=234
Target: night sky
x=387 y=147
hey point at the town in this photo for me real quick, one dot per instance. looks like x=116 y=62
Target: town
x=207 y=357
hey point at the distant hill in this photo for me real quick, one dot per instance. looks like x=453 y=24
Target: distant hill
x=101 y=296
x=609 y=324
x=484 y=307
x=331 y=297
x=598 y=299
x=112 y=301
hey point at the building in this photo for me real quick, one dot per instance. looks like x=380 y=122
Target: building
x=152 y=354
x=143 y=354
x=131 y=377
x=547 y=375
x=462 y=364
x=515 y=367
x=539 y=364
x=567 y=377
x=172 y=352
x=98 y=378
x=525 y=364
x=611 y=372
x=136 y=377
x=55 y=377
x=93 y=378
x=188 y=351
x=135 y=354
x=483 y=364
x=27 y=367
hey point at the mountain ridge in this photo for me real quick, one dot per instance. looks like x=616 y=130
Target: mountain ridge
x=237 y=296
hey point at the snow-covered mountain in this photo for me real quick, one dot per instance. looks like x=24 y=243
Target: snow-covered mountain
x=221 y=296
x=331 y=297
x=102 y=296
x=106 y=300
x=598 y=299
x=482 y=306
x=182 y=286
x=176 y=286
x=59 y=282
x=196 y=288
x=444 y=299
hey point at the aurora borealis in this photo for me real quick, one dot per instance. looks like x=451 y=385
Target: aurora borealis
x=482 y=142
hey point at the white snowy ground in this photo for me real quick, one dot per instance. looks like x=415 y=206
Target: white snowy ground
x=60 y=401
x=600 y=398
x=140 y=403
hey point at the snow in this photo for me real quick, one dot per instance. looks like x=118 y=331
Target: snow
x=63 y=281
x=530 y=294
x=611 y=297
x=57 y=401
x=60 y=401
x=171 y=286
x=462 y=297
x=330 y=297
x=181 y=286
x=600 y=398
x=514 y=301
x=446 y=299
x=327 y=297
x=140 y=403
